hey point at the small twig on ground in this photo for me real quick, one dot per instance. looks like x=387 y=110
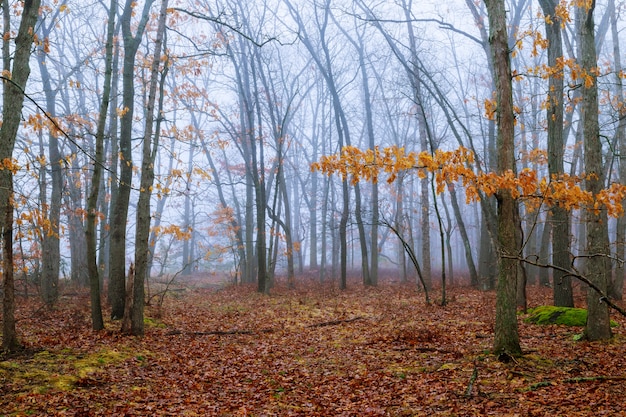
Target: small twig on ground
x=579 y=379
x=596 y=378
x=470 y=386
x=235 y=332
x=218 y=332
x=335 y=322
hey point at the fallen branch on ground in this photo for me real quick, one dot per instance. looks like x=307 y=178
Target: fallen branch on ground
x=576 y=380
x=335 y=322
x=595 y=378
x=175 y=332
x=470 y=386
x=218 y=332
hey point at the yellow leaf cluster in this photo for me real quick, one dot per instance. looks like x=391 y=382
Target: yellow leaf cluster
x=176 y=231
x=450 y=167
x=10 y=164
x=490 y=109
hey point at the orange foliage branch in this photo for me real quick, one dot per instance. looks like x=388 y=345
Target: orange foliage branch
x=457 y=166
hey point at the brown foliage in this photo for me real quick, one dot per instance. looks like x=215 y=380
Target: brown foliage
x=314 y=351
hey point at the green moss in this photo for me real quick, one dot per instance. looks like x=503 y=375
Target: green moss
x=567 y=316
x=60 y=370
x=150 y=322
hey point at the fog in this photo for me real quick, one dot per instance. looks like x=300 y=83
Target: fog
x=257 y=91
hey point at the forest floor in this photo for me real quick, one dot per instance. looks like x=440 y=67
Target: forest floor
x=313 y=351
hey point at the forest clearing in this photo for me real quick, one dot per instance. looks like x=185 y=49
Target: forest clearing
x=312 y=351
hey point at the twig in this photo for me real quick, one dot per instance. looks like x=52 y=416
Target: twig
x=579 y=379
x=470 y=386
x=335 y=322
x=596 y=378
x=575 y=274
x=218 y=332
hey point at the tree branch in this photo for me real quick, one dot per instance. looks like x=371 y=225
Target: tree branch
x=220 y=22
x=575 y=274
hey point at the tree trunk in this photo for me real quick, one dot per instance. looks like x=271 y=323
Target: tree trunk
x=325 y=227
x=234 y=219
x=119 y=215
x=598 y=265
x=149 y=150
x=399 y=225
x=562 y=283
x=506 y=340
x=50 y=246
x=464 y=237
x=617 y=288
x=112 y=138
x=188 y=220
x=343 y=238
x=97 y=322
x=487 y=258
x=13 y=100
x=313 y=219
x=76 y=226
x=544 y=251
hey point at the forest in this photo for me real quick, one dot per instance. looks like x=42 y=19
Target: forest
x=312 y=207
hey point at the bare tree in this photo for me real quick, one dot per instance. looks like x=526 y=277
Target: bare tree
x=154 y=109
x=92 y=201
x=13 y=100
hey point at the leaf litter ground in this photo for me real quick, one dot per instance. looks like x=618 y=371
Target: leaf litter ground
x=313 y=351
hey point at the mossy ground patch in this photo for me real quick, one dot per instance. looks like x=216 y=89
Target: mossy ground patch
x=567 y=316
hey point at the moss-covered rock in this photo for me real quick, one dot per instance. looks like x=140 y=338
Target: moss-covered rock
x=567 y=316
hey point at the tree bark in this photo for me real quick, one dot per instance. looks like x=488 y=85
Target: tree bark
x=598 y=265
x=617 y=288
x=50 y=246
x=13 y=101
x=506 y=340
x=562 y=283
x=97 y=322
x=464 y=237
x=119 y=215
x=149 y=149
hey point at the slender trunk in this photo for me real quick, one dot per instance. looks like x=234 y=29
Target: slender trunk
x=112 y=136
x=399 y=225
x=544 y=251
x=325 y=227
x=97 y=322
x=617 y=288
x=119 y=215
x=506 y=340
x=464 y=237
x=367 y=280
x=13 y=101
x=487 y=258
x=50 y=245
x=559 y=218
x=343 y=238
x=188 y=219
x=313 y=220
x=149 y=150
x=449 y=252
x=598 y=266
x=234 y=219
x=75 y=222
x=161 y=202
